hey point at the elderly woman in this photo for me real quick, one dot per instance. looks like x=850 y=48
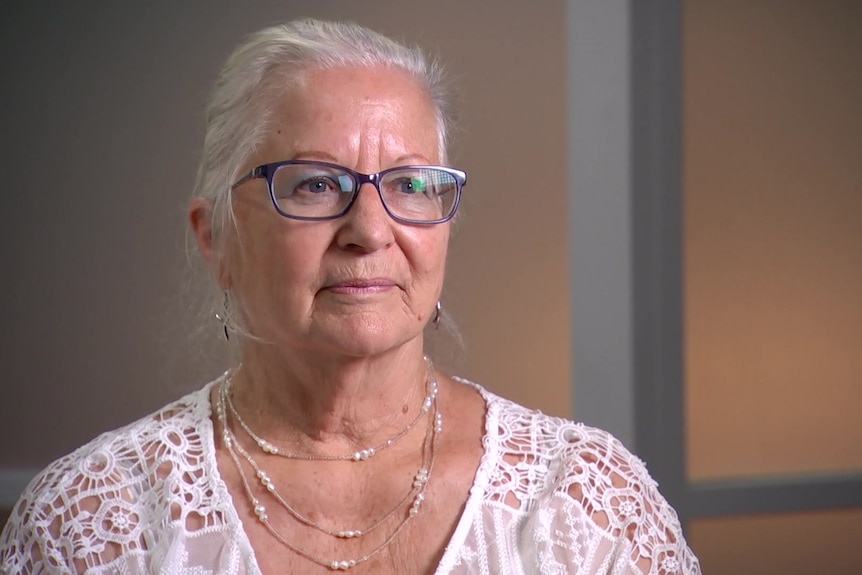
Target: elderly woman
x=323 y=211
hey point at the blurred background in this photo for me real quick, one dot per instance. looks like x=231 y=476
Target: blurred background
x=672 y=179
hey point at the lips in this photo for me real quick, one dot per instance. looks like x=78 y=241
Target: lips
x=364 y=282
x=361 y=285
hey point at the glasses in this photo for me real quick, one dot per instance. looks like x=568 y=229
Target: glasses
x=311 y=190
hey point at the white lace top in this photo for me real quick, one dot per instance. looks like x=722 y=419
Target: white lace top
x=550 y=496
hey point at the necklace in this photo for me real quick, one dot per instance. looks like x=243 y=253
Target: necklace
x=266 y=483
x=417 y=491
x=359 y=455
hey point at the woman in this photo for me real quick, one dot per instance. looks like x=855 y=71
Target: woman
x=322 y=210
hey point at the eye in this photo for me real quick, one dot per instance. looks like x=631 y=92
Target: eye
x=410 y=185
x=317 y=185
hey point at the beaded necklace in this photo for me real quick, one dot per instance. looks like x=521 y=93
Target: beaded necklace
x=416 y=492
x=359 y=455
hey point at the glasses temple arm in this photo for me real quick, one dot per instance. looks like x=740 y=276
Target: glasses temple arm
x=253 y=174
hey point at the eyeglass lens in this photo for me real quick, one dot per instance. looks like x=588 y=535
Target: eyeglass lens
x=418 y=194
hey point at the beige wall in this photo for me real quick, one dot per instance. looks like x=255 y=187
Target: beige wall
x=773 y=244
x=800 y=543
x=773 y=260
x=102 y=123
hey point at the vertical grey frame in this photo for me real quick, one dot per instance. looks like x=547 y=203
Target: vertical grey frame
x=625 y=227
x=624 y=98
x=599 y=176
x=657 y=257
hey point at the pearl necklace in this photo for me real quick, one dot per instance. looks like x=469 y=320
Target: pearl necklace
x=417 y=491
x=267 y=484
x=359 y=455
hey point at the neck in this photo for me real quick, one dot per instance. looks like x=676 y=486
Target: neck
x=328 y=404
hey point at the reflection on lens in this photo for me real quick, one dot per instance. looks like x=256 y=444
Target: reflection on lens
x=422 y=194
x=315 y=190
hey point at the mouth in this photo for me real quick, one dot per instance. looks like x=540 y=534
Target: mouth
x=358 y=286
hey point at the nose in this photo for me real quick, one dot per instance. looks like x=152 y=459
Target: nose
x=366 y=225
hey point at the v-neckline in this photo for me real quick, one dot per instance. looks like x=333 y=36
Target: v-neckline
x=490 y=450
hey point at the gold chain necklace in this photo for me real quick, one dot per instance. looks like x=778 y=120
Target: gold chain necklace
x=417 y=491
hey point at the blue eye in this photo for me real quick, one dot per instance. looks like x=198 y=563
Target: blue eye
x=318 y=185
x=411 y=185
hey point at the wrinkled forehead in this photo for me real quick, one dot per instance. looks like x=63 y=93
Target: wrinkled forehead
x=343 y=110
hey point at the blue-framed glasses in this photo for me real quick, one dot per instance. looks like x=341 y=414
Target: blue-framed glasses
x=311 y=190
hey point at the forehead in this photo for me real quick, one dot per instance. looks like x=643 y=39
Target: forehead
x=341 y=110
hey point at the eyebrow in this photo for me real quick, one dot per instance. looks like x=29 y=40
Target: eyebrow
x=314 y=155
x=412 y=157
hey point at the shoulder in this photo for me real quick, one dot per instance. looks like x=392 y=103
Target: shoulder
x=572 y=479
x=99 y=498
x=129 y=450
x=552 y=439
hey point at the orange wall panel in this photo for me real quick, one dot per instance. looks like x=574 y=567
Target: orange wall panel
x=773 y=236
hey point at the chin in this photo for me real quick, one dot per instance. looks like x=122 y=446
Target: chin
x=369 y=337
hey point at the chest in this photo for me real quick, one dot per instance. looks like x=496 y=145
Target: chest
x=399 y=544
x=297 y=530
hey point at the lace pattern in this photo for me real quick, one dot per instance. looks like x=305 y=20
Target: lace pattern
x=571 y=498
x=550 y=496
x=118 y=503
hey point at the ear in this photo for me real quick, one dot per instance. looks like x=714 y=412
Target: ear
x=200 y=221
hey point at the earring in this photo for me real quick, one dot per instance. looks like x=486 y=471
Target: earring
x=223 y=317
x=438 y=314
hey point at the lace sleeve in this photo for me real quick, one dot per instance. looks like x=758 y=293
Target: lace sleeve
x=582 y=503
x=614 y=489
x=118 y=503
x=21 y=551
x=64 y=522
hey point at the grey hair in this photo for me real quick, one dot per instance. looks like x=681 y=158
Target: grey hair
x=273 y=60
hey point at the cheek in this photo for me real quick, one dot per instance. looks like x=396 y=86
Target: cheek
x=429 y=258
x=284 y=265
x=272 y=260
